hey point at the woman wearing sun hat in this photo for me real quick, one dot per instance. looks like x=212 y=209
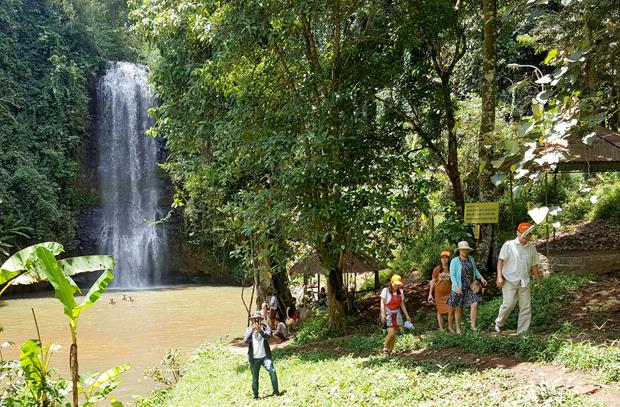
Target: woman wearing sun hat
x=392 y=303
x=463 y=272
x=441 y=286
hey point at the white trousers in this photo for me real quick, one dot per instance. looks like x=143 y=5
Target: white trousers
x=511 y=292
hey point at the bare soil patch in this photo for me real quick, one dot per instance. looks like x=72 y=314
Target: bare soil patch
x=598 y=235
x=596 y=307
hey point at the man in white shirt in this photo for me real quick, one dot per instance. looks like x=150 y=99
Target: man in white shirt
x=259 y=354
x=517 y=260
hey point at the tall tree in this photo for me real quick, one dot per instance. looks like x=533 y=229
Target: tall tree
x=486 y=139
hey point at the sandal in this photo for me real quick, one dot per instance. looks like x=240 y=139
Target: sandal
x=386 y=351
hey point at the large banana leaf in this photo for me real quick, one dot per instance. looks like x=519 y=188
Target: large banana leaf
x=108 y=381
x=70 y=267
x=94 y=293
x=6 y=275
x=75 y=265
x=19 y=261
x=64 y=288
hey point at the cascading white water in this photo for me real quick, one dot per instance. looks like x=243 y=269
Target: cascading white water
x=129 y=186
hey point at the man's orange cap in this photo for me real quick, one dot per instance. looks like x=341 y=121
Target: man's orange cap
x=524 y=227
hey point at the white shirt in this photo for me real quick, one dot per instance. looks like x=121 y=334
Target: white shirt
x=386 y=295
x=258 y=345
x=282 y=328
x=273 y=302
x=518 y=260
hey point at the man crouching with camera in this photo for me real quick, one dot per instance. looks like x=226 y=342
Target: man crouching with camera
x=257 y=337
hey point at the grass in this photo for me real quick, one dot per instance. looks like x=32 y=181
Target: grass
x=320 y=377
x=321 y=368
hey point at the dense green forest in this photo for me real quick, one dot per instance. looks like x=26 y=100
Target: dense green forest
x=333 y=130
x=328 y=126
x=50 y=53
x=322 y=126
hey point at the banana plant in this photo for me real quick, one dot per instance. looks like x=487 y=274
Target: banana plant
x=97 y=387
x=38 y=262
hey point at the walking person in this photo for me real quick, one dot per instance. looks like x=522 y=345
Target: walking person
x=439 y=291
x=464 y=276
x=392 y=308
x=517 y=260
x=259 y=353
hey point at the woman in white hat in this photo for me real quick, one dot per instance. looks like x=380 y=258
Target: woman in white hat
x=464 y=276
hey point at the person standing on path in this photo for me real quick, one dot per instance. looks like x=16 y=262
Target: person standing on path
x=273 y=308
x=392 y=303
x=439 y=290
x=463 y=275
x=259 y=353
x=517 y=260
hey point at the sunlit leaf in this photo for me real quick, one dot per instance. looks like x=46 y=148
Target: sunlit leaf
x=525 y=128
x=594 y=199
x=538 y=214
x=550 y=56
x=575 y=57
x=555 y=211
x=543 y=97
x=589 y=138
x=498 y=178
x=544 y=80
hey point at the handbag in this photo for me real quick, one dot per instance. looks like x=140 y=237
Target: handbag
x=475 y=286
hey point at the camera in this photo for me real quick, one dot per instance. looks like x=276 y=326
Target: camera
x=255 y=320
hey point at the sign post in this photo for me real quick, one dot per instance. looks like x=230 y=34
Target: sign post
x=481 y=212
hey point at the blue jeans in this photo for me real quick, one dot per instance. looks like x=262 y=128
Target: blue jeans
x=255 y=368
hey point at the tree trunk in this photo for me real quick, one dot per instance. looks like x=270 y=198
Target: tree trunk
x=486 y=191
x=336 y=297
x=452 y=167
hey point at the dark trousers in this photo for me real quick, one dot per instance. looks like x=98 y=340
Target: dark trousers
x=255 y=367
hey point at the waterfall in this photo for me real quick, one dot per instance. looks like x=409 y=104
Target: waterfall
x=129 y=186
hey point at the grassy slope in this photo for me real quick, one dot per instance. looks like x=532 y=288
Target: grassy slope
x=349 y=371
x=319 y=377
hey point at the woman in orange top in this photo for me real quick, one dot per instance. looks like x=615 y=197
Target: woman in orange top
x=442 y=286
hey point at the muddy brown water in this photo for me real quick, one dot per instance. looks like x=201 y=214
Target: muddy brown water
x=138 y=333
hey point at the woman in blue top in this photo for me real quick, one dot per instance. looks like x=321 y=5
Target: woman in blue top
x=463 y=272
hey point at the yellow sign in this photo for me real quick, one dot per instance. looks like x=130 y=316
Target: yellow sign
x=482 y=212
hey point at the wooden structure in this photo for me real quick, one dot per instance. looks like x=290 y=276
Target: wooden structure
x=602 y=155
x=351 y=263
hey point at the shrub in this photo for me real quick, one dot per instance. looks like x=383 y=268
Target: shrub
x=422 y=255
x=608 y=208
x=316 y=328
